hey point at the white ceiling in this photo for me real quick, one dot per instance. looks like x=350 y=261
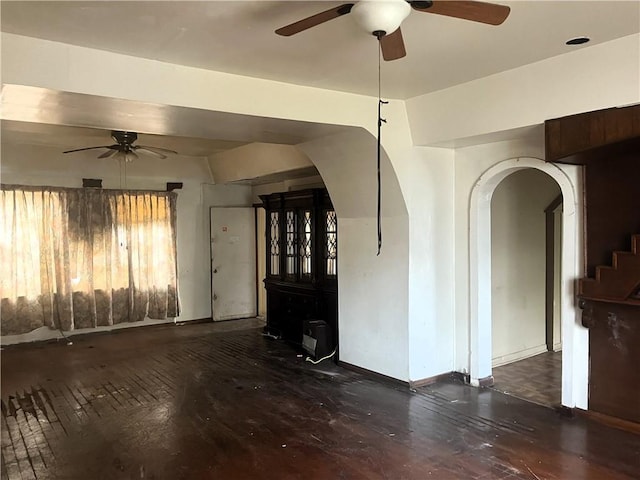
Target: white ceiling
x=64 y=137
x=39 y=116
x=238 y=37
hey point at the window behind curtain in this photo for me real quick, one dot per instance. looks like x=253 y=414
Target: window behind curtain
x=79 y=258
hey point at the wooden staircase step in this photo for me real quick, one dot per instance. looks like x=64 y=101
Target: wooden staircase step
x=616 y=276
x=626 y=261
x=620 y=281
x=635 y=244
x=610 y=285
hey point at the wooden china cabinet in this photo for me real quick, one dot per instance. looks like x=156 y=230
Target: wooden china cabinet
x=301 y=263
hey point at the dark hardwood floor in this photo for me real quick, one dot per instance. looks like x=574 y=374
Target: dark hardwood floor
x=207 y=402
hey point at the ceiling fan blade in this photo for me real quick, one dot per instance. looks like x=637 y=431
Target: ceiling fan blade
x=89 y=148
x=489 y=13
x=108 y=153
x=314 y=20
x=148 y=150
x=156 y=149
x=393 y=46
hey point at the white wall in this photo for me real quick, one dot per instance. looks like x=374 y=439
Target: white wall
x=601 y=76
x=432 y=262
x=226 y=196
x=287 y=185
x=256 y=160
x=518 y=256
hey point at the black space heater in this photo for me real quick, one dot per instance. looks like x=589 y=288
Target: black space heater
x=316 y=338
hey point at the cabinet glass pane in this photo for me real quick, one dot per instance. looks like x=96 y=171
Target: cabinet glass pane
x=305 y=243
x=274 y=239
x=331 y=243
x=290 y=242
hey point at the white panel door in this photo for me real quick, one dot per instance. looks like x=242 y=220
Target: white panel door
x=233 y=263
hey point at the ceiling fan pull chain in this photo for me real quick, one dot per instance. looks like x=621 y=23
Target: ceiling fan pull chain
x=380 y=122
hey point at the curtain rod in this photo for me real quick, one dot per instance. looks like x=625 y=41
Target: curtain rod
x=36 y=188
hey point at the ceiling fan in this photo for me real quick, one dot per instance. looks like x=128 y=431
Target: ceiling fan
x=124 y=147
x=382 y=18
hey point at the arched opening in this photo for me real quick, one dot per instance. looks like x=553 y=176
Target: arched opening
x=367 y=338
x=574 y=336
x=345 y=164
x=525 y=254
x=345 y=157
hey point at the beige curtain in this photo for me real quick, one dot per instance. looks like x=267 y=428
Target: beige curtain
x=82 y=258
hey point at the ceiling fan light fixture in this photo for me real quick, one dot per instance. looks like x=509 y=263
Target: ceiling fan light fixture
x=126 y=157
x=380 y=15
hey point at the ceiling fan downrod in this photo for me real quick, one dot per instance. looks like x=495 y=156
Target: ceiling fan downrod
x=420 y=5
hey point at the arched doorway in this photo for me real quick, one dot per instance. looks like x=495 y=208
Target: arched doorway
x=525 y=363
x=574 y=336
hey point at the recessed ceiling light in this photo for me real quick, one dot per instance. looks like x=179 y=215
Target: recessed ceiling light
x=578 y=41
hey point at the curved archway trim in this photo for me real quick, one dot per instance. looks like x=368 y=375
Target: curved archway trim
x=574 y=337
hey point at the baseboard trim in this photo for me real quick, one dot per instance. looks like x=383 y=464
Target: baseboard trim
x=195 y=321
x=423 y=382
x=372 y=374
x=104 y=330
x=412 y=384
x=516 y=356
x=619 y=423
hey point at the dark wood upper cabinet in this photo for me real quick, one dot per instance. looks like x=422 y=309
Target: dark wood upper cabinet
x=568 y=137
x=301 y=262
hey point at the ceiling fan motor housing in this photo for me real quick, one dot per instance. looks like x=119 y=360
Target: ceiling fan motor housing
x=377 y=16
x=124 y=138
